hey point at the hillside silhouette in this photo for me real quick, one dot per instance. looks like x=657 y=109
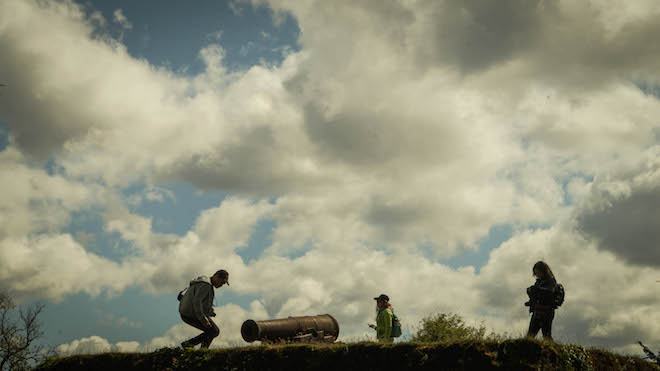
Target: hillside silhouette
x=518 y=354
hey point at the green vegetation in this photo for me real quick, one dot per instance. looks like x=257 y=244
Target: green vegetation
x=447 y=327
x=520 y=354
x=443 y=341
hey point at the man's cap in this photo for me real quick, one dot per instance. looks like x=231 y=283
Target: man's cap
x=383 y=297
x=223 y=274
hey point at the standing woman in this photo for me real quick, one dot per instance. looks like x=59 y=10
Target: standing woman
x=542 y=301
x=384 y=319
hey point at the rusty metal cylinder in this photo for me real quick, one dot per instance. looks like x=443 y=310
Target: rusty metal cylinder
x=323 y=326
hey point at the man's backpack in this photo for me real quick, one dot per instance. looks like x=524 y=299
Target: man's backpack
x=396 y=326
x=559 y=295
x=181 y=294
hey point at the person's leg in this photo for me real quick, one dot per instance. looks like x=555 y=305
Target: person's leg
x=534 y=326
x=210 y=333
x=546 y=325
x=197 y=339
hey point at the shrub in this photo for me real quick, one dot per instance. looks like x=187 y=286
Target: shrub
x=447 y=327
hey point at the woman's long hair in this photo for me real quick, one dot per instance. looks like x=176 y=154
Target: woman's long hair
x=544 y=268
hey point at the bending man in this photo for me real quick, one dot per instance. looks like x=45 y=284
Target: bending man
x=196 y=307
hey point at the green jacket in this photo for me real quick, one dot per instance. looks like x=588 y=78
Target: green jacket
x=384 y=325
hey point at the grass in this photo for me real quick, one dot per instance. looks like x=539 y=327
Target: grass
x=509 y=354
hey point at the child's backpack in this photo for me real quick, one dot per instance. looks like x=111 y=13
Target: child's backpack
x=559 y=295
x=396 y=326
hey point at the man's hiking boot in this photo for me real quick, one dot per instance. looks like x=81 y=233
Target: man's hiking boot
x=187 y=345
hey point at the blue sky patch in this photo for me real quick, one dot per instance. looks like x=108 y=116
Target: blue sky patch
x=261 y=238
x=87 y=228
x=172 y=33
x=177 y=208
x=479 y=257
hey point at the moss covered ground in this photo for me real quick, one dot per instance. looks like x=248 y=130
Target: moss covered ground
x=517 y=354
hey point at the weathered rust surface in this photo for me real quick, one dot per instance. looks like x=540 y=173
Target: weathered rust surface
x=321 y=328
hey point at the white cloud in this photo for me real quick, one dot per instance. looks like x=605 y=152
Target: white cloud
x=96 y=344
x=33 y=201
x=120 y=18
x=229 y=226
x=397 y=127
x=92 y=344
x=53 y=266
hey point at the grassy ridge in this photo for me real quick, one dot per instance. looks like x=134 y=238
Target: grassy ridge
x=519 y=354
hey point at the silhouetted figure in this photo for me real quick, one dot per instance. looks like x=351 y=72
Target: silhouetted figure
x=384 y=319
x=542 y=301
x=196 y=307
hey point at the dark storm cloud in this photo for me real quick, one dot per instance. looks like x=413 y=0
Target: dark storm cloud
x=580 y=51
x=628 y=226
x=376 y=139
x=474 y=35
x=257 y=165
x=574 y=328
x=566 y=45
x=237 y=166
x=28 y=106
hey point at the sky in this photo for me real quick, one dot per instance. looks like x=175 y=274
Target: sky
x=325 y=152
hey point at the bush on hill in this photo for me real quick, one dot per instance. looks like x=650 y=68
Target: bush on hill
x=447 y=327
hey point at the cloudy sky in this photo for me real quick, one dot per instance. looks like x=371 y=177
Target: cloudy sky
x=325 y=152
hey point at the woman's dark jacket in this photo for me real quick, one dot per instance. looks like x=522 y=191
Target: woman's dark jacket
x=542 y=293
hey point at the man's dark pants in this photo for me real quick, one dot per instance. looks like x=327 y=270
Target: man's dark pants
x=204 y=338
x=541 y=320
